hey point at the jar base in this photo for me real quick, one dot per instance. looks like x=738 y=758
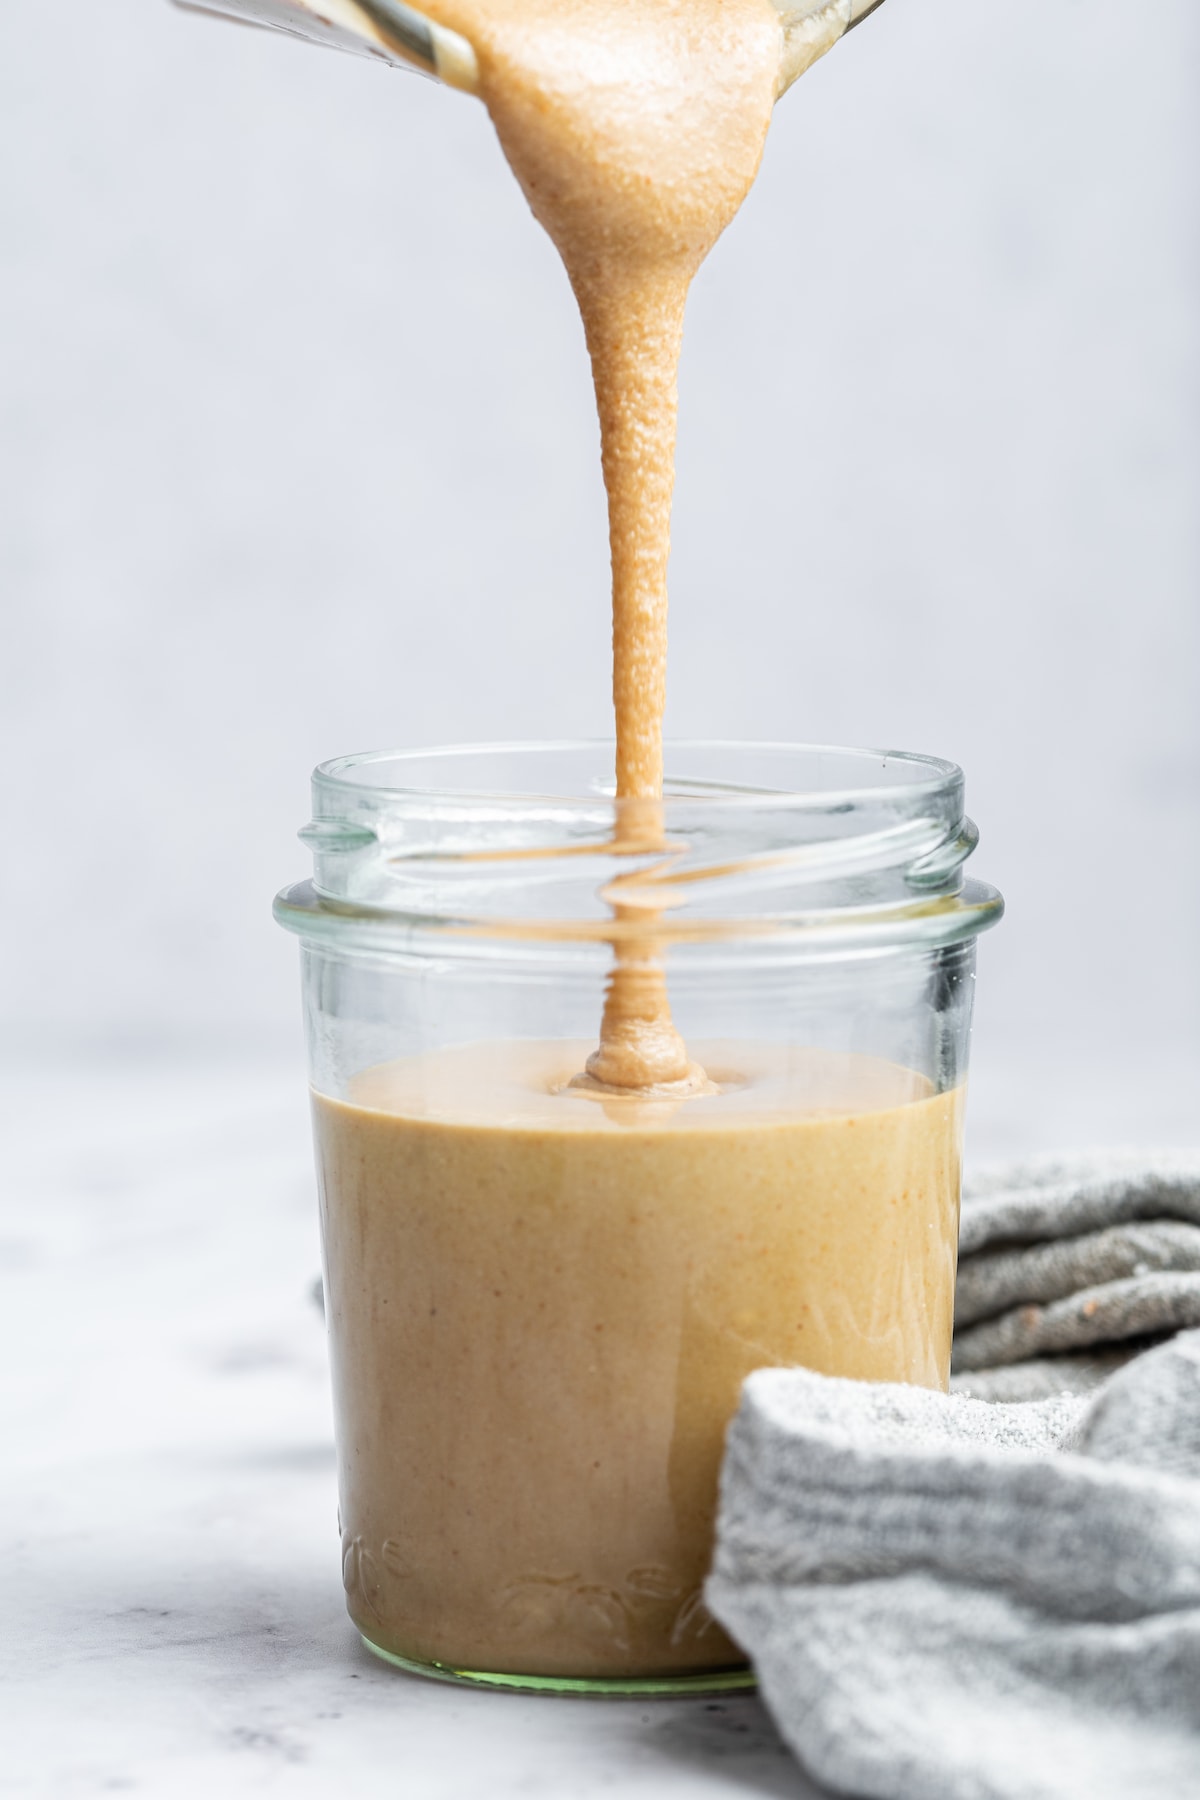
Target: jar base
x=702 y=1683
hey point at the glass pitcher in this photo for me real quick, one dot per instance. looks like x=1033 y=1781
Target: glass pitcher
x=399 y=34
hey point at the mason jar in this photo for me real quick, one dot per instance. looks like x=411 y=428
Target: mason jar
x=543 y=1291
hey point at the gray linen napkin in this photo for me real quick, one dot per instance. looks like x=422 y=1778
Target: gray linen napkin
x=954 y=1599
x=962 y=1598
x=1071 y=1266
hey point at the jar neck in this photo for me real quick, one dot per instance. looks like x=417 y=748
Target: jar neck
x=759 y=842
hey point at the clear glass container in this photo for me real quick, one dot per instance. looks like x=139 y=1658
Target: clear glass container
x=543 y=1294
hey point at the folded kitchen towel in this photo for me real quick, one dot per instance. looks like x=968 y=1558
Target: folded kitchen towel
x=948 y=1598
x=1068 y=1267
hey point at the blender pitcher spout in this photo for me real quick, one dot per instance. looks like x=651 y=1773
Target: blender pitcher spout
x=395 y=32
x=811 y=27
x=388 y=30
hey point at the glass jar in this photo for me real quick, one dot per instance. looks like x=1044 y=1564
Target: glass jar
x=543 y=1293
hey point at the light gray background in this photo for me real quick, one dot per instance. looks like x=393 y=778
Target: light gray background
x=297 y=456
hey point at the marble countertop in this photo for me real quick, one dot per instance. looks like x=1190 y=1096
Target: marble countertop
x=173 y=1607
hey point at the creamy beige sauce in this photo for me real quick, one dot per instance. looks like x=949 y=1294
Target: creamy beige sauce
x=635 y=128
x=543 y=1303
x=545 y=1287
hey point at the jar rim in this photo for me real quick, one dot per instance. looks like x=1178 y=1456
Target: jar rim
x=356 y=773
x=750 y=841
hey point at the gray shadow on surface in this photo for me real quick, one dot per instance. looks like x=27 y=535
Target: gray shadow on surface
x=736 y=1736
x=731 y=1738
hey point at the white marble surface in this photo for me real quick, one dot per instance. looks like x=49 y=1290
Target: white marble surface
x=173 y=1619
